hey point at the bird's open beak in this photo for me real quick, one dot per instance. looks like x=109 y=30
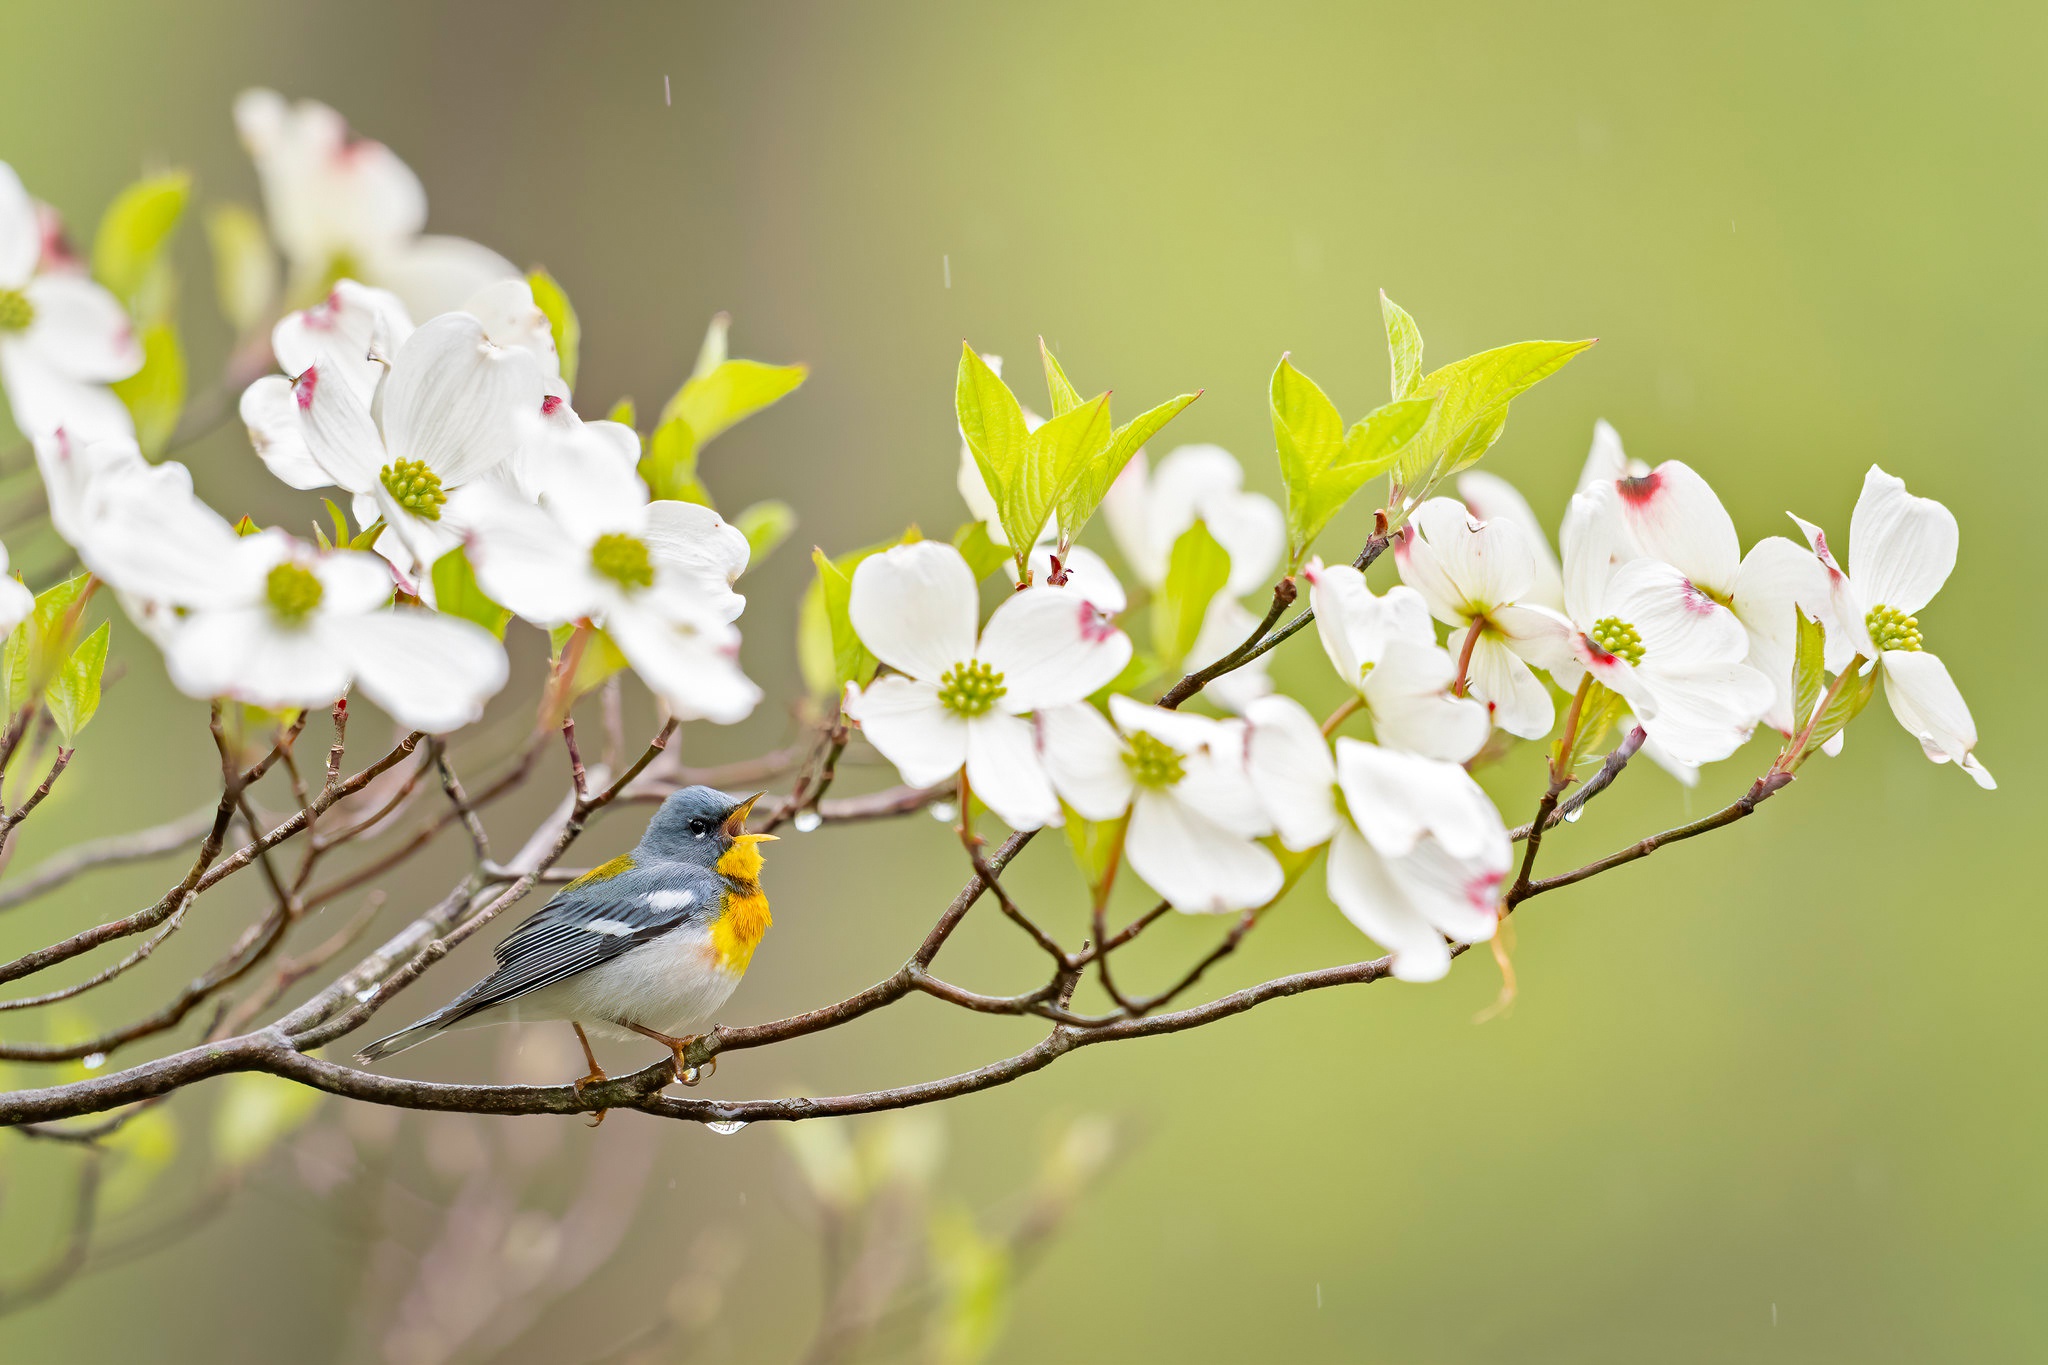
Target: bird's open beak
x=736 y=824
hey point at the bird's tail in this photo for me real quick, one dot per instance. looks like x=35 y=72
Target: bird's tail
x=406 y=1037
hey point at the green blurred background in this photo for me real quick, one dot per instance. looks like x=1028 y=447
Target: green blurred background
x=1773 y=1096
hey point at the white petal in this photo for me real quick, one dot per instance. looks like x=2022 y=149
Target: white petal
x=80 y=330
x=1344 y=610
x=1003 y=769
x=1703 y=712
x=1183 y=731
x=1217 y=780
x=915 y=607
x=341 y=334
x=691 y=662
x=1677 y=518
x=16 y=602
x=1597 y=542
x=1412 y=707
x=1461 y=566
x=1088 y=576
x=1901 y=548
x=1776 y=578
x=454 y=400
x=1195 y=863
x=1687 y=774
x=428 y=671
x=21 y=237
x=511 y=318
x=703 y=550
x=1396 y=798
x=904 y=719
x=523 y=558
x=1537 y=634
x=437 y=274
x=1291 y=770
x=576 y=474
x=1051 y=647
x=44 y=400
x=245 y=654
x=1127 y=509
x=1517 y=701
x=1225 y=625
x=271 y=414
x=1460 y=897
x=1368 y=896
x=339 y=431
x=1492 y=498
x=1928 y=704
x=1084 y=756
x=981 y=504
x=1681 y=627
x=1606 y=461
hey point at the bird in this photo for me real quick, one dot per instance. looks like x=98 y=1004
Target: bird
x=650 y=944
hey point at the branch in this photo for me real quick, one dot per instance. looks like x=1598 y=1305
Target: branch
x=1597 y=783
x=110 y=851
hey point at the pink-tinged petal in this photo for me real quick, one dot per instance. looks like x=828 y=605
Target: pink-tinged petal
x=1460 y=897
x=690 y=662
x=340 y=434
x=271 y=414
x=1901 y=548
x=436 y=275
x=456 y=401
x=1848 y=632
x=1364 y=890
x=1084 y=756
x=915 y=607
x=428 y=671
x=1292 y=772
x=351 y=335
x=1703 y=712
x=21 y=237
x=44 y=400
x=1778 y=578
x=1515 y=699
x=1051 y=647
x=1597 y=543
x=80 y=330
x=1087 y=576
x=1606 y=460
x=905 y=721
x=1197 y=864
x=1931 y=707
x=244 y=653
x=1680 y=625
x=1539 y=635
x=1468 y=566
x=1412 y=708
x=1492 y=498
x=1004 y=771
x=1677 y=518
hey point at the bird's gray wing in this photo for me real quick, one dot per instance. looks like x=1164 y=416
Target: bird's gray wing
x=590 y=923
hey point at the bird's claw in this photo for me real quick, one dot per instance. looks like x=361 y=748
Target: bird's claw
x=595 y=1077
x=693 y=1075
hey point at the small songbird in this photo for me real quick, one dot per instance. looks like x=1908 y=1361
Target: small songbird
x=650 y=943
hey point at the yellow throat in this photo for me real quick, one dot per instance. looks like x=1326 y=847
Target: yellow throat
x=745 y=917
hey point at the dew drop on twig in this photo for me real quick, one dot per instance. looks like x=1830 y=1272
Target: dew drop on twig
x=943 y=811
x=725 y=1129
x=807 y=820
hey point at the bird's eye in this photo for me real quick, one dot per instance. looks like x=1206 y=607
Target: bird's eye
x=700 y=826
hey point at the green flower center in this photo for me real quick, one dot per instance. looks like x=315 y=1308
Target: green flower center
x=16 y=312
x=414 y=487
x=1891 y=628
x=970 y=689
x=1153 y=762
x=294 y=590
x=342 y=265
x=1618 y=638
x=623 y=559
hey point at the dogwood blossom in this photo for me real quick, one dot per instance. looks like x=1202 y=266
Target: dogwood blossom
x=1417 y=851
x=655 y=576
x=1902 y=548
x=1476 y=577
x=956 y=701
x=1385 y=649
x=348 y=339
x=63 y=338
x=1639 y=627
x=341 y=206
x=1195 y=820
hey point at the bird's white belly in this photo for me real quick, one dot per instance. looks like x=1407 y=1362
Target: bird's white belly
x=672 y=985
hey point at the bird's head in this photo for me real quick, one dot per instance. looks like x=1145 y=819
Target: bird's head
x=705 y=826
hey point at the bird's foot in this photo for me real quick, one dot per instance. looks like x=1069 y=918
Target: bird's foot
x=595 y=1077
x=693 y=1075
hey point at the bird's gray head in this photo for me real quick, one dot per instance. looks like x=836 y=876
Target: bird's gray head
x=699 y=825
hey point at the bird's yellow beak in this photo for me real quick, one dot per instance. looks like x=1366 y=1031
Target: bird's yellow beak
x=735 y=827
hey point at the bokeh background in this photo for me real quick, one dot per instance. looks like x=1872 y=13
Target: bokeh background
x=1771 y=1096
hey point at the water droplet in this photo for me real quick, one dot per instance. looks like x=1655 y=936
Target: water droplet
x=725 y=1129
x=1571 y=817
x=690 y=1075
x=365 y=993
x=807 y=820
x=943 y=811
x=93 y=1061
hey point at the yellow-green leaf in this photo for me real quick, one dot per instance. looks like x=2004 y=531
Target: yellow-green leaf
x=991 y=420
x=1092 y=483
x=133 y=232
x=1195 y=572
x=622 y=412
x=1065 y=397
x=670 y=464
x=1404 y=346
x=980 y=551
x=851 y=661
x=734 y=391
x=1808 y=677
x=1472 y=410
x=1321 y=465
x=155 y=394
x=553 y=300
x=1053 y=458
x=457 y=593
x=765 y=525
x=75 y=694
x=244 y=266
x=256 y=1113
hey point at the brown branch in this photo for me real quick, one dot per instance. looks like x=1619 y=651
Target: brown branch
x=35 y=798
x=110 y=851
x=1597 y=783
x=1759 y=791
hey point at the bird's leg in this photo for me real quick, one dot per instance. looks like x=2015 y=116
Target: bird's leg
x=596 y=1071
x=687 y=1074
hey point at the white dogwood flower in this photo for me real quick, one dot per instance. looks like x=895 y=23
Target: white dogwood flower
x=63 y=338
x=348 y=339
x=656 y=576
x=1477 y=577
x=956 y=701
x=341 y=206
x=1195 y=820
x=1417 y=851
x=1489 y=497
x=1385 y=649
x=1902 y=548
x=1642 y=629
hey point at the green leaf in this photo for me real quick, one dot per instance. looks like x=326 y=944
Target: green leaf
x=155 y=394
x=1807 y=677
x=1322 y=465
x=1849 y=702
x=553 y=300
x=1096 y=844
x=457 y=593
x=257 y=1112
x=1053 y=458
x=980 y=551
x=815 y=657
x=142 y=1149
x=622 y=412
x=75 y=695
x=601 y=659
x=1195 y=572
x=973 y=1272
x=1597 y=717
x=1091 y=485
x=732 y=392
x=1065 y=397
x=1404 y=346
x=247 y=526
x=851 y=661
x=366 y=539
x=1473 y=408
x=765 y=525
x=670 y=464
x=341 y=532
x=133 y=233
x=713 y=352
x=992 y=422
x=40 y=644
x=244 y=266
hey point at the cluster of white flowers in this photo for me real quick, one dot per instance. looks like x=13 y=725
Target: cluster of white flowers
x=1654 y=602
